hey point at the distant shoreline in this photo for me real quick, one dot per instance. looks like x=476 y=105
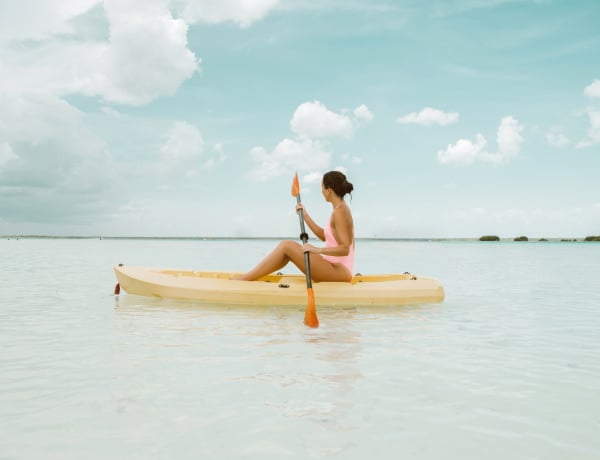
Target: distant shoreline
x=276 y=238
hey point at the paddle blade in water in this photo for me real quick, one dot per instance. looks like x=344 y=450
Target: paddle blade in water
x=295 y=186
x=310 y=317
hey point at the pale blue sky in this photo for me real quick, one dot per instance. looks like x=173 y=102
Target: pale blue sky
x=189 y=117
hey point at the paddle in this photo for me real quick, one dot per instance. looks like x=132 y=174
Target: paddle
x=310 y=316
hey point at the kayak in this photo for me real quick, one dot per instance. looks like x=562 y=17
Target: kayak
x=277 y=289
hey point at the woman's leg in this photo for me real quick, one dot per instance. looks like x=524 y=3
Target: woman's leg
x=278 y=258
x=290 y=251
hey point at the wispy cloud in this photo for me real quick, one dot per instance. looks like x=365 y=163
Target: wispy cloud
x=183 y=141
x=375 y=6
x=428 y=117
x=6 y=154
x=557 y=138
x=242 y=12
x=448 y=7
x=471 y=72
x=51 y=164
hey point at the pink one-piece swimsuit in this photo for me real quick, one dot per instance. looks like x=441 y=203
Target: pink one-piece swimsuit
x=330 y=242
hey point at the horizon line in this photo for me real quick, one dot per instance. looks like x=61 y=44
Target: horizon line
x=377 y=238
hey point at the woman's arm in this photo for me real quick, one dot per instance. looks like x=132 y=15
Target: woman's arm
x=343 y=232
x=341 y=225
x=318 y=231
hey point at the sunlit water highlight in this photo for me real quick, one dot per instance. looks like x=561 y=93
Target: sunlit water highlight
x=507 y=367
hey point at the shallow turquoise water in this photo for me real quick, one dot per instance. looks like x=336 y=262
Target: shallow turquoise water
x=507 y=367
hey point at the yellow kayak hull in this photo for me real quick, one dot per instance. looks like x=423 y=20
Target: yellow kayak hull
x=284 y=290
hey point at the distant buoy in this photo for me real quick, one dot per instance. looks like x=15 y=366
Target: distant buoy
x=117 y=289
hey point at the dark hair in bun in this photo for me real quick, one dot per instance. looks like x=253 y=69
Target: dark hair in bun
x=336 y=181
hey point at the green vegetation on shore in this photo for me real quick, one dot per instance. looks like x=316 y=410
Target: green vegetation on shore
x=525 y=238
x=489 y=238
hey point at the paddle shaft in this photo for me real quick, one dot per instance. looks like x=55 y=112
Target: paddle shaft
x=304 y=238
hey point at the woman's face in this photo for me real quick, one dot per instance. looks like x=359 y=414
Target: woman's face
x=324 y=191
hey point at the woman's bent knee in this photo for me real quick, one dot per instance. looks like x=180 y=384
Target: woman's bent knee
x=288 y=245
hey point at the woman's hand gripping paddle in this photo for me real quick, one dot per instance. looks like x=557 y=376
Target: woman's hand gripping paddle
x=310 y=317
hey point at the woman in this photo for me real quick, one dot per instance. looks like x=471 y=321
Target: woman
x=335 y=261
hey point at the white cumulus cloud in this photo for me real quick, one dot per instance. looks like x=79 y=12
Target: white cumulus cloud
x=428 y=117
x=463 y=151
x=123 y=51
x=363 y=113
x=147 y=55
x=593 y=89
x=288 y=156
x=594 y=129
x=593 y=133
x=143 y=56
x=54 y=162
x=314 y=125
x=508 y=138
x=314 y=120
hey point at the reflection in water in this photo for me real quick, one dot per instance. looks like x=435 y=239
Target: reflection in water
x=320 y=387
x=305 y=375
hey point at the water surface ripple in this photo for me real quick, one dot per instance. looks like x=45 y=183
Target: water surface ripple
x=507 y=367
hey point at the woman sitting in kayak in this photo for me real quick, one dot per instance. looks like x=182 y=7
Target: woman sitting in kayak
x=335 y=261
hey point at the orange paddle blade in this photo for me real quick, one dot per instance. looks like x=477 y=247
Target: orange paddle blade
x=310 y=317
x=295 y=186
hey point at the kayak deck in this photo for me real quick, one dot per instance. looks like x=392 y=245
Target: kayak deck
x=277 y=289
